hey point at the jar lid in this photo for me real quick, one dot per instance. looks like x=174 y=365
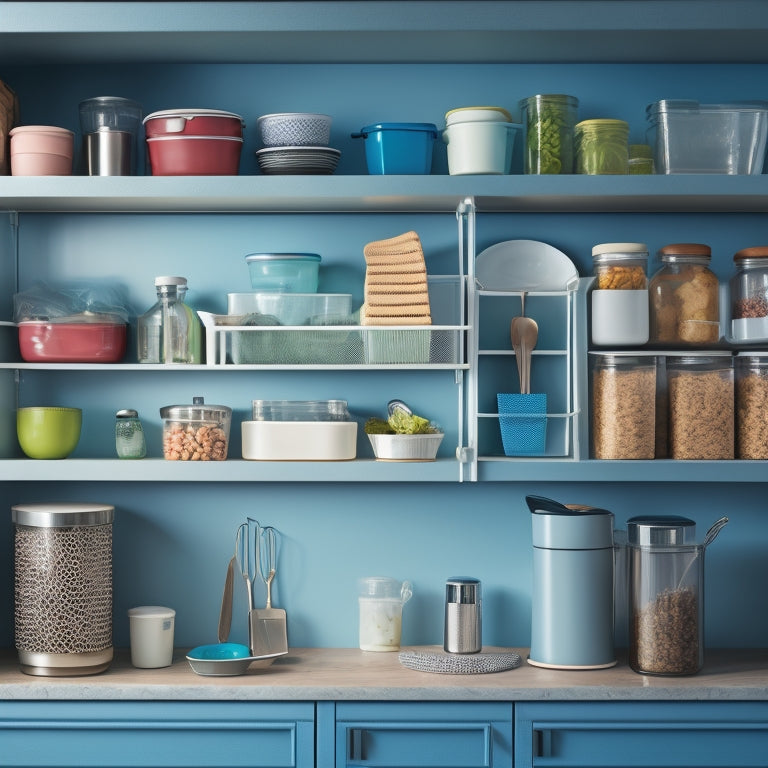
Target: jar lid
x=686 y=249
x=151 y=612
x=62 y=515
x=170 y=280
x=127 y=413
x=460 y=589
x=551 y=98
x=660 y=531
x=619 y=251
x=755 y=252
x=602 y=122
x=640 y=152
x=282 y=256
x=198 y=411
x=458 y=110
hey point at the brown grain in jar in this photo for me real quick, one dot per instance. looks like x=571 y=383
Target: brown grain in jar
x=684 y=297
x=701 y=407
x=751 y=406
x=620 y=266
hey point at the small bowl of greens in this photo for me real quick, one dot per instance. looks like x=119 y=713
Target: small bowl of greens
x=403 y=435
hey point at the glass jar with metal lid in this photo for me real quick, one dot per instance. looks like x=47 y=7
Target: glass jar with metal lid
x=749 y=295
x=620 y=294
x=751 y=372
x=602 y=147
x=684 y=297
x=666 y=595
x=701 y=406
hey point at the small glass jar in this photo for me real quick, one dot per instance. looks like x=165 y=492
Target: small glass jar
x=620 y=294
x=684 y=297
x=548 y=123
x=749 y=295
x=751 y=372
x=701 y=406
x=197 y=432
x=623 y=416
x=129 y=435
x=601 y=147
x=641 y=159
x=666 y=596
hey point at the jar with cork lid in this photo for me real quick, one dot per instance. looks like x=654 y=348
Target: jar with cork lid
x=749 y=295
x=684 y=297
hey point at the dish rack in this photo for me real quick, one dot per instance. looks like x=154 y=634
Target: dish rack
x=555 y=371
x=345 y=345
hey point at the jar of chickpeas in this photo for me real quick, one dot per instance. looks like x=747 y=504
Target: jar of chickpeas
x=196 y=432
x=620 y=294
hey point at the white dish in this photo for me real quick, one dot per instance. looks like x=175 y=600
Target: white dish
x=524 y=265
x=299 y=440
x=406 y=447
x=210 y=662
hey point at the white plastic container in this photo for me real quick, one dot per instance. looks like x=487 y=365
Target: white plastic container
x=480 y=147
x=299 y=440
x=292 y=308
x=477 y=114
x=151 y=633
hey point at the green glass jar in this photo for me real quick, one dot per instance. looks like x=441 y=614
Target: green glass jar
x=548 y=122
x=602 y=147
x=641 y=160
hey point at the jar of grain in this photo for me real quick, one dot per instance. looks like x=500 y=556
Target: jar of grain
x=749 y=295
x=666 y=596
x=701 y=406
x=620 y=294
x=751 y=372
x=684 y=296
x=623 y=424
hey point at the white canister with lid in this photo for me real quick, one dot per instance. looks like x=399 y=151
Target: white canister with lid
x=620 y=294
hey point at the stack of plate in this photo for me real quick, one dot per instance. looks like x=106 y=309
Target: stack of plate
x=298 y=160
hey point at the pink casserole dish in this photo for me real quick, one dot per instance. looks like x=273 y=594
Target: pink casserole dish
x=194 y=155
x=71 y=342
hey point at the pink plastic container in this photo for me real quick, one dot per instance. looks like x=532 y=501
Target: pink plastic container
x=194 y=155
x=52 y=342
x=193 y=122
x=41 y=150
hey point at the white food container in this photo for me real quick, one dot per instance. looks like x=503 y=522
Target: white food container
x=406 y=447
x=483 y=147
x=299 y=440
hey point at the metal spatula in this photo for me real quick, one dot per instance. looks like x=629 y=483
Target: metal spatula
x=269 y=630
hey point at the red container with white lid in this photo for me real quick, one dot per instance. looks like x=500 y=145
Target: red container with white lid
x=193 y=122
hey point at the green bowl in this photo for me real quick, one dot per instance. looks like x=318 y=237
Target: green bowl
x=48 y=432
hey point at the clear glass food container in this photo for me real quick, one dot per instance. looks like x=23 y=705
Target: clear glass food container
x=751 y=372
x=196 y=432
x=666 y=596
x=684 y=297
x=623 y=422
x=602 y=147
x=548 y=123
x=749 y=295
x=701 y=406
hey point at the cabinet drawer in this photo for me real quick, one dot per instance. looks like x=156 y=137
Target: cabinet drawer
x=174 y=735
x=423 y=735
x=643 y=734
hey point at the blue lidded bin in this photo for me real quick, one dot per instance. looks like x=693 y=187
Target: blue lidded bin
x=398 y=148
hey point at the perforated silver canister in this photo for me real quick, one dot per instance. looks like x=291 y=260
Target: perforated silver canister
x=63 y=588
x=463 y=616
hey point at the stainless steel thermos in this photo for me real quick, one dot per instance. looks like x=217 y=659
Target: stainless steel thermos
x=463 y=616
x=572 y=604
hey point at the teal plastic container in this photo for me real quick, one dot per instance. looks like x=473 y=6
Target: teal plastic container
x=398 y=148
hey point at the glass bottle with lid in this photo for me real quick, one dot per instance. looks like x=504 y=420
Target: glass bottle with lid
x=602 y=147
x=749 y=295
x=129 y=435
x=170 y=332
x=684 y=297
x=548 y=123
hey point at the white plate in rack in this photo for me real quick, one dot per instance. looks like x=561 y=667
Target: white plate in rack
x=524 y=265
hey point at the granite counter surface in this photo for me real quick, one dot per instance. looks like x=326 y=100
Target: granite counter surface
x=348 y=674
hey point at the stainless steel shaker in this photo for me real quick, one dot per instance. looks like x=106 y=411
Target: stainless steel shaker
x=463 y=616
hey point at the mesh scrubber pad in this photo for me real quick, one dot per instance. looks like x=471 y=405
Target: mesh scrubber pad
x=459 y=663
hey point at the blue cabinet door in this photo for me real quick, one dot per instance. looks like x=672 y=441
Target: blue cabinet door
x=641 y=734
x=423 y=735
x=169 y=734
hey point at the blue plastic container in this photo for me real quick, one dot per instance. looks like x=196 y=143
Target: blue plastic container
x=523 y=423
x=284 y=272
x=398 y=148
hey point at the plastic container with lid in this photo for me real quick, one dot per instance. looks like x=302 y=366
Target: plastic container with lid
x=620 y=294
x=701 y=406
x=548 y=123
x=601 y=147
x=749 y=295
x=623 y=416
x=196 y=432
x=284 y=272
x=300 y=410
x=169 y=332
x=684 y=297
x=751 y=373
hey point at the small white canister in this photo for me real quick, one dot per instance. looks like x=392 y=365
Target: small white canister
x=620 y=295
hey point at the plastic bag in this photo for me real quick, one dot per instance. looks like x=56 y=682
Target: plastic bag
x=87 y=303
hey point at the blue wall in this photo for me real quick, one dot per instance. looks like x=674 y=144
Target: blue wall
x=172 y=543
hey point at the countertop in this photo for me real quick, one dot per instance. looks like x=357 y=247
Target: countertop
x=348 y=674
